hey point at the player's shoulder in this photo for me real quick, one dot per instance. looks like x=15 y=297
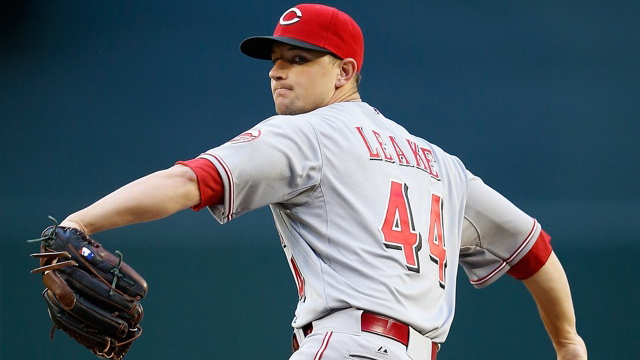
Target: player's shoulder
x=291 y=122
x=340 y=111
x=440 y=154
x=279 y=128
x=337 y=112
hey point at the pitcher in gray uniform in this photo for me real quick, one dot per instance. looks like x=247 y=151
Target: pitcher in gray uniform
x=373 y=219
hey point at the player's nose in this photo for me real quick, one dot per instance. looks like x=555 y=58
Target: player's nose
x=278 y=71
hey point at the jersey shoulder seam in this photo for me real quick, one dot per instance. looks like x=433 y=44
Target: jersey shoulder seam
x=475 y=227
x=321 y=153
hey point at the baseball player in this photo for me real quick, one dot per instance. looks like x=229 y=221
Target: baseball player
x=373 y=219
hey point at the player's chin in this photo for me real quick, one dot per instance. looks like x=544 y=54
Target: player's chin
x=287 y=108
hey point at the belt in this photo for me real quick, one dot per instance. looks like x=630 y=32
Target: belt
x=380 y=325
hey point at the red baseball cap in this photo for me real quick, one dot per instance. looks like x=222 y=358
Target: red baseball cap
x=315 y=27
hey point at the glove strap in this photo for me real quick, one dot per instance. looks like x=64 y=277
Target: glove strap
x=116 y=272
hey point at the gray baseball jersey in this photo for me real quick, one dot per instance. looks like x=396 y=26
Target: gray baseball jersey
x=370 y=216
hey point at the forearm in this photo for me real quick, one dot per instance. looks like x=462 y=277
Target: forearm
x=152 y=197
x=550 y=290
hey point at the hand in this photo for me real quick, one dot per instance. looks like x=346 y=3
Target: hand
x=572 y=350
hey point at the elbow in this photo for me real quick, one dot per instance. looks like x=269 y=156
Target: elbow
x=187 y=187
x=185 y=173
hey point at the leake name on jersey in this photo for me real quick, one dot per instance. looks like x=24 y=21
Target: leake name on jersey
x=378 y=149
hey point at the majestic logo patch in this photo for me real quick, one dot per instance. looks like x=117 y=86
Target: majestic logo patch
x=246 y=137
x=286 y=18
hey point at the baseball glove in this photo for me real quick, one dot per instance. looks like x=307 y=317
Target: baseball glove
x=91 y=294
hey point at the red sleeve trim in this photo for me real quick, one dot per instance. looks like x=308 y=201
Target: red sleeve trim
x=534 y=259
x=209 y=182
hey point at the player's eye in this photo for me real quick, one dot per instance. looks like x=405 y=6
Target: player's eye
x=299 y=59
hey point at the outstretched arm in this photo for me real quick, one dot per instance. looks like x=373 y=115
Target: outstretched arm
x=550 y=290
x=152 y=197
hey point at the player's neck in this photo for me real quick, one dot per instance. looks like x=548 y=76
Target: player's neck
x=344 y=95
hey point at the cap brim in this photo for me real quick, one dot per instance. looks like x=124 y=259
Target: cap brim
x=260 y=47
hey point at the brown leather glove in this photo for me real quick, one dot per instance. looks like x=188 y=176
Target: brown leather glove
x=91 y=294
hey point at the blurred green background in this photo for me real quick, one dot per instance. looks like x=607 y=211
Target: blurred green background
x=541 y=99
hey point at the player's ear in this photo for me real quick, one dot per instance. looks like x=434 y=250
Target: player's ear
x=348 y=69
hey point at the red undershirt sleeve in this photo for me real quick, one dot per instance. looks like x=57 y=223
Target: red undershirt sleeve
x=209 y=182
x=534 y=259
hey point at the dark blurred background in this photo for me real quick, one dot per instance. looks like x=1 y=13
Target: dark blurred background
x=541 y=99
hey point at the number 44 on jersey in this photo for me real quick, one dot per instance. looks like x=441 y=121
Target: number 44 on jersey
x=399 y=231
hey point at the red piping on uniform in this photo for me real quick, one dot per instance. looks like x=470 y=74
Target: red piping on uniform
x=511 y=257
x=323 y=346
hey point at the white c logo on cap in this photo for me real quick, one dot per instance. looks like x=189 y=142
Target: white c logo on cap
x=292 y=21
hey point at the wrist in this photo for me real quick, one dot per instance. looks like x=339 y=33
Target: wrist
x=76 y=224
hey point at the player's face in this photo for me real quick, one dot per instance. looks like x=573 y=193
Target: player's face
x=301 y=80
